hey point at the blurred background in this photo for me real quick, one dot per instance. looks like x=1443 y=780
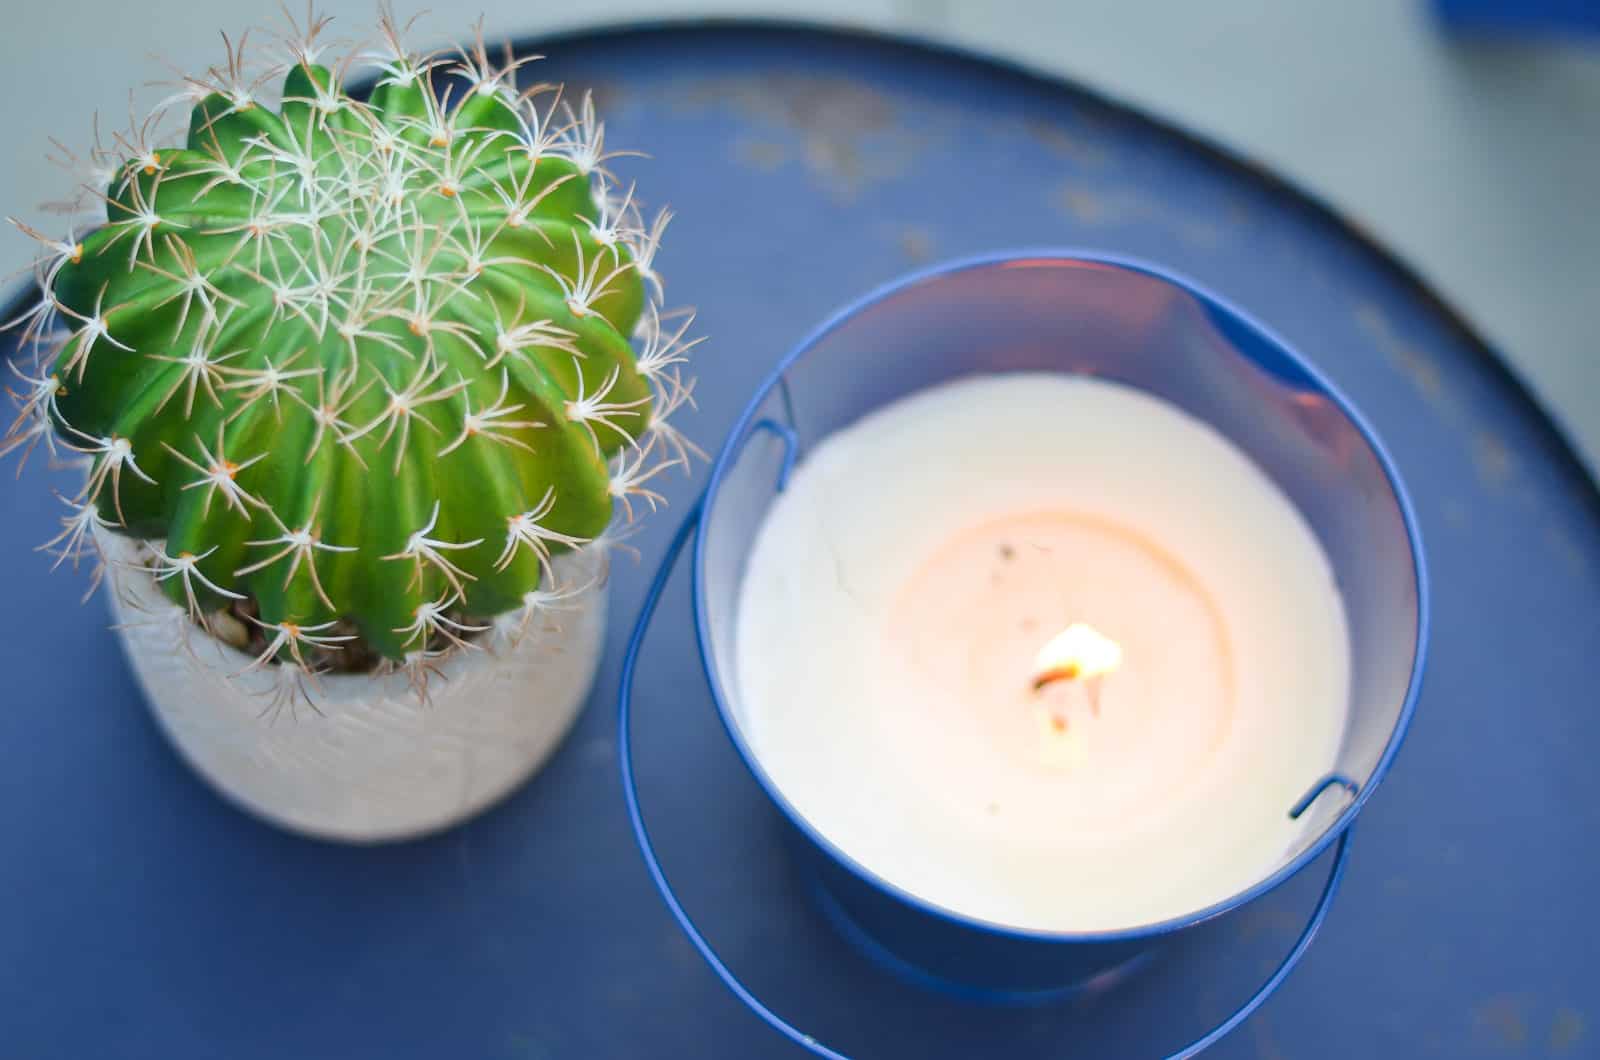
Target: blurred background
x=1464 y=134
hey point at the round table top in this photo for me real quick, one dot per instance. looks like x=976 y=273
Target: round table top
x=145 y=917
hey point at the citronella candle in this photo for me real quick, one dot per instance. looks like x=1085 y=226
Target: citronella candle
x=1044 y=651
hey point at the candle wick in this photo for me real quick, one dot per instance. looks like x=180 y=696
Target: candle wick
x=1044 y=678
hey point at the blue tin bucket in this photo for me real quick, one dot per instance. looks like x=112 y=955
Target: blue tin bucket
x=1124 y=320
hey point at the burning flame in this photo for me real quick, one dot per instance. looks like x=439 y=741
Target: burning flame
x=1078 y=652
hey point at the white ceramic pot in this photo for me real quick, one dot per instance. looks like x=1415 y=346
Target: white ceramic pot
x=371 y=762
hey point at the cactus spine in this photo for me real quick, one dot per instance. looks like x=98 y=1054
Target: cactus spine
x=358 y=368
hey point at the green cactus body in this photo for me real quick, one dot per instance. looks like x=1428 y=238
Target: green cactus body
x=365 y=364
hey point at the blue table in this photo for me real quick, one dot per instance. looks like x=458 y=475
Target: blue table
x=142 y=917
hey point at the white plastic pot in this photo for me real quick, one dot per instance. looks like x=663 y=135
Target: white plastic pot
x=371 y=761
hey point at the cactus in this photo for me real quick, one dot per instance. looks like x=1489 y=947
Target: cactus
x=357 y=370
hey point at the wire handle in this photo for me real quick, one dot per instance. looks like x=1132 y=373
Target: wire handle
x=641 y=833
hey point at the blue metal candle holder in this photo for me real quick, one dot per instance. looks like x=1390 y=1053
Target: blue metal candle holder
x=1120 y=319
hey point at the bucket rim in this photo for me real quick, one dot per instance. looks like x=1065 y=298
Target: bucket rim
x=1215 y=305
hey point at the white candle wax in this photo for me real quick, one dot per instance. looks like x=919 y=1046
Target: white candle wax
x=890 y=630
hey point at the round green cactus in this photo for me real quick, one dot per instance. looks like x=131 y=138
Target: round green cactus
x=359 y=368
